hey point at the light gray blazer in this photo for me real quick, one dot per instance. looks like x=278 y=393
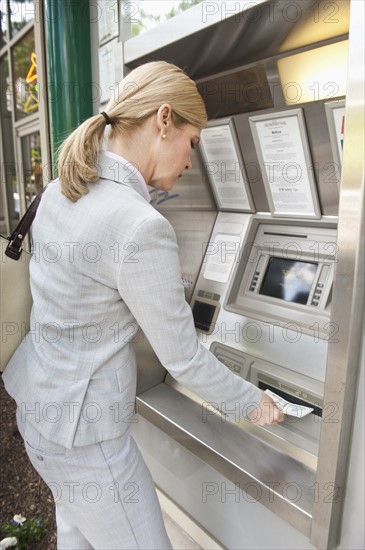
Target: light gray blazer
x=99 y=267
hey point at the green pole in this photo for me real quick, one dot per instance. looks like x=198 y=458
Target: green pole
x=69 y=66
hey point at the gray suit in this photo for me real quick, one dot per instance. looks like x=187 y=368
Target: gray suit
x=100 y=266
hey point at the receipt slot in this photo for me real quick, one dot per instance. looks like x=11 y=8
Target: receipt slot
x=297 y=435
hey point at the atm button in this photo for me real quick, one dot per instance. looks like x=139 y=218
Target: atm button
x=314 y=303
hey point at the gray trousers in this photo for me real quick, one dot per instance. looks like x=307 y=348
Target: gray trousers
x=104 y=494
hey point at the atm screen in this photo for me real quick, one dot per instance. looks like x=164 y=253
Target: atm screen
x=289 y=280
x=203 y=315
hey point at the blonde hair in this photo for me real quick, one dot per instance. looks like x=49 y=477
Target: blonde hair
x=138 y=95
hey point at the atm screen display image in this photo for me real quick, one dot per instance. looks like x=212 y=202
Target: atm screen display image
x=289 y=280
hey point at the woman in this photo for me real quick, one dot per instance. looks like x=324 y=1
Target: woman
x=106 y=262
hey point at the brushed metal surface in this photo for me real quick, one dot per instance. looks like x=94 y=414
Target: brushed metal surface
x=326 y=172
x=316 y=516
x=344 y=362
x=193 y=231
x=205 y=43
x=273 y=436
x=190 y=192
x=150 y=372
x=240 y=455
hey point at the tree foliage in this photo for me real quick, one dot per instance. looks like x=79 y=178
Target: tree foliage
x=144 y=17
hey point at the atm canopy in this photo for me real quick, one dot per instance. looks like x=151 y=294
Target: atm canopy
x=209 y=38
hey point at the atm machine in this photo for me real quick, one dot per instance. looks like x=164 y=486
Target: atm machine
x=271 y=265
x=261 y=303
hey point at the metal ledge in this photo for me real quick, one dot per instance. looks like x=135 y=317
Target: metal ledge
x=279 y=482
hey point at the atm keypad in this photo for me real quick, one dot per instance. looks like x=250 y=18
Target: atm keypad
x=317 y=294
x=255 y=278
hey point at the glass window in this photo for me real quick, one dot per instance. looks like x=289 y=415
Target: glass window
x=146 y=14
x=25 y=76
x=6 y=88
x=3 y=24
x=11 y=183
x=31 y=165
x=21 y=12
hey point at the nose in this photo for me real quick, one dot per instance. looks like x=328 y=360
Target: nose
x=189 y=164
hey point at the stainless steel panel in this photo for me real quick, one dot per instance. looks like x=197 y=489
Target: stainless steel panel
x=190 y=192
x=204 y=43
x=193 y=231
x=259 y=41
x=313 y=241
x=296 y=351
x=326 y=172
x=347 y=304
x=236 y=92
x=238 y=454
x=286 y=438
x=253 y=168
x=150 y=372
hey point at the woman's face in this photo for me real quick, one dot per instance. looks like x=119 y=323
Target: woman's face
x=172 y=154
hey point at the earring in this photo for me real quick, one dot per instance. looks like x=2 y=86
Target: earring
x=163 y=136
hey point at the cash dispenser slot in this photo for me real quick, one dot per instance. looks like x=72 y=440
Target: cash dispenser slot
x=291 y=398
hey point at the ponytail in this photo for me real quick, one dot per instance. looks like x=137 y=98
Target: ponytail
x=77 y=158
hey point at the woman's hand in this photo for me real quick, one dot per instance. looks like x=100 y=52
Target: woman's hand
x=266 y=412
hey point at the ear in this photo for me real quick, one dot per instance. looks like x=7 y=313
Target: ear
x=163 y=117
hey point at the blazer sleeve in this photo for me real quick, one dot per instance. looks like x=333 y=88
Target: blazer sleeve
x=150 y=284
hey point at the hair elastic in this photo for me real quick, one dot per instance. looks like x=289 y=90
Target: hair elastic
x=106 y=116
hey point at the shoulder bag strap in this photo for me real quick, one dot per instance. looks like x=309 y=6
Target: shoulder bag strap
x=14 y=248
